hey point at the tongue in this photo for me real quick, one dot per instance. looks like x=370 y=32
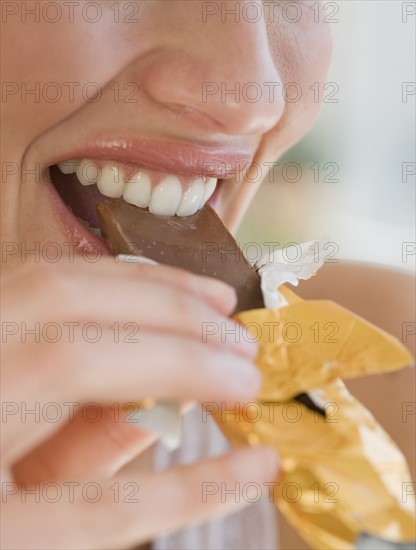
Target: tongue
x=80 y=199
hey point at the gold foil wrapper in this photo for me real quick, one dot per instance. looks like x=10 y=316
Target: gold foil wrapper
x=341 y=474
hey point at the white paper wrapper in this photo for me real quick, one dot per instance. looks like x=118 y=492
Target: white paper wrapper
x=279 y=268
x=164 y=419
x=130 y=259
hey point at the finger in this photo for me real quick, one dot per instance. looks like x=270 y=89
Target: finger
x=122 y=304
x=72 y=451
x=178 y=369
x=140 y=508
x=218 y=294
x=69 y=278
x=84 y=450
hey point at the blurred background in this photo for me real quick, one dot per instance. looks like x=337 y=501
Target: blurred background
x=351 y=189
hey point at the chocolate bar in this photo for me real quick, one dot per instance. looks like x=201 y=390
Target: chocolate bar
x=199 y=243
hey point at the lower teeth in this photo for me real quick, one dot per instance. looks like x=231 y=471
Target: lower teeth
x=93 y=230
x=96 y=232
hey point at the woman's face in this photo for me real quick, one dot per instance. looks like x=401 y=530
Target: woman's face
x=179 y=91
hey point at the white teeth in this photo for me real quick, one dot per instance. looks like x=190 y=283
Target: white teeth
x=68 y=167
x=96 y=232
x=166 y=197
x=88 y=172
x=83 y=222
x=209 y=188
x=191 y=199
x=138 y=190
x=111 y=181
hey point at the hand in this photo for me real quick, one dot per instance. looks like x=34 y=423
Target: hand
x=170 y=360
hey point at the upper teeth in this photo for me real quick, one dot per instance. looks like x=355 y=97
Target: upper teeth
x=166 y=198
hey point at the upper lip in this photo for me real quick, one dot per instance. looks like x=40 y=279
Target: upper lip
x=173 y=157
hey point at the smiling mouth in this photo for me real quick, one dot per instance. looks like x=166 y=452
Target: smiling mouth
x=82 y=183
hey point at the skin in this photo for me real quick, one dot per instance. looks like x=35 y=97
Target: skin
x=159 y=54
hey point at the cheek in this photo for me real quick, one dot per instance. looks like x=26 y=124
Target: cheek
x=315 y=46
x=51 y=70
x=302 y=52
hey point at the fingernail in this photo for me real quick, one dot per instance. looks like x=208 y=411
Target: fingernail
x=234 y=337
x=220 y=294
x=263 y=459
x=248 y=349
x=270 y=458
x=244 y=378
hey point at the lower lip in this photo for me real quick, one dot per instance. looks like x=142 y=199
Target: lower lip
x=79 y=239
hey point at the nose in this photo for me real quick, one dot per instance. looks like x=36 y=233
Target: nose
x=217 y=68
